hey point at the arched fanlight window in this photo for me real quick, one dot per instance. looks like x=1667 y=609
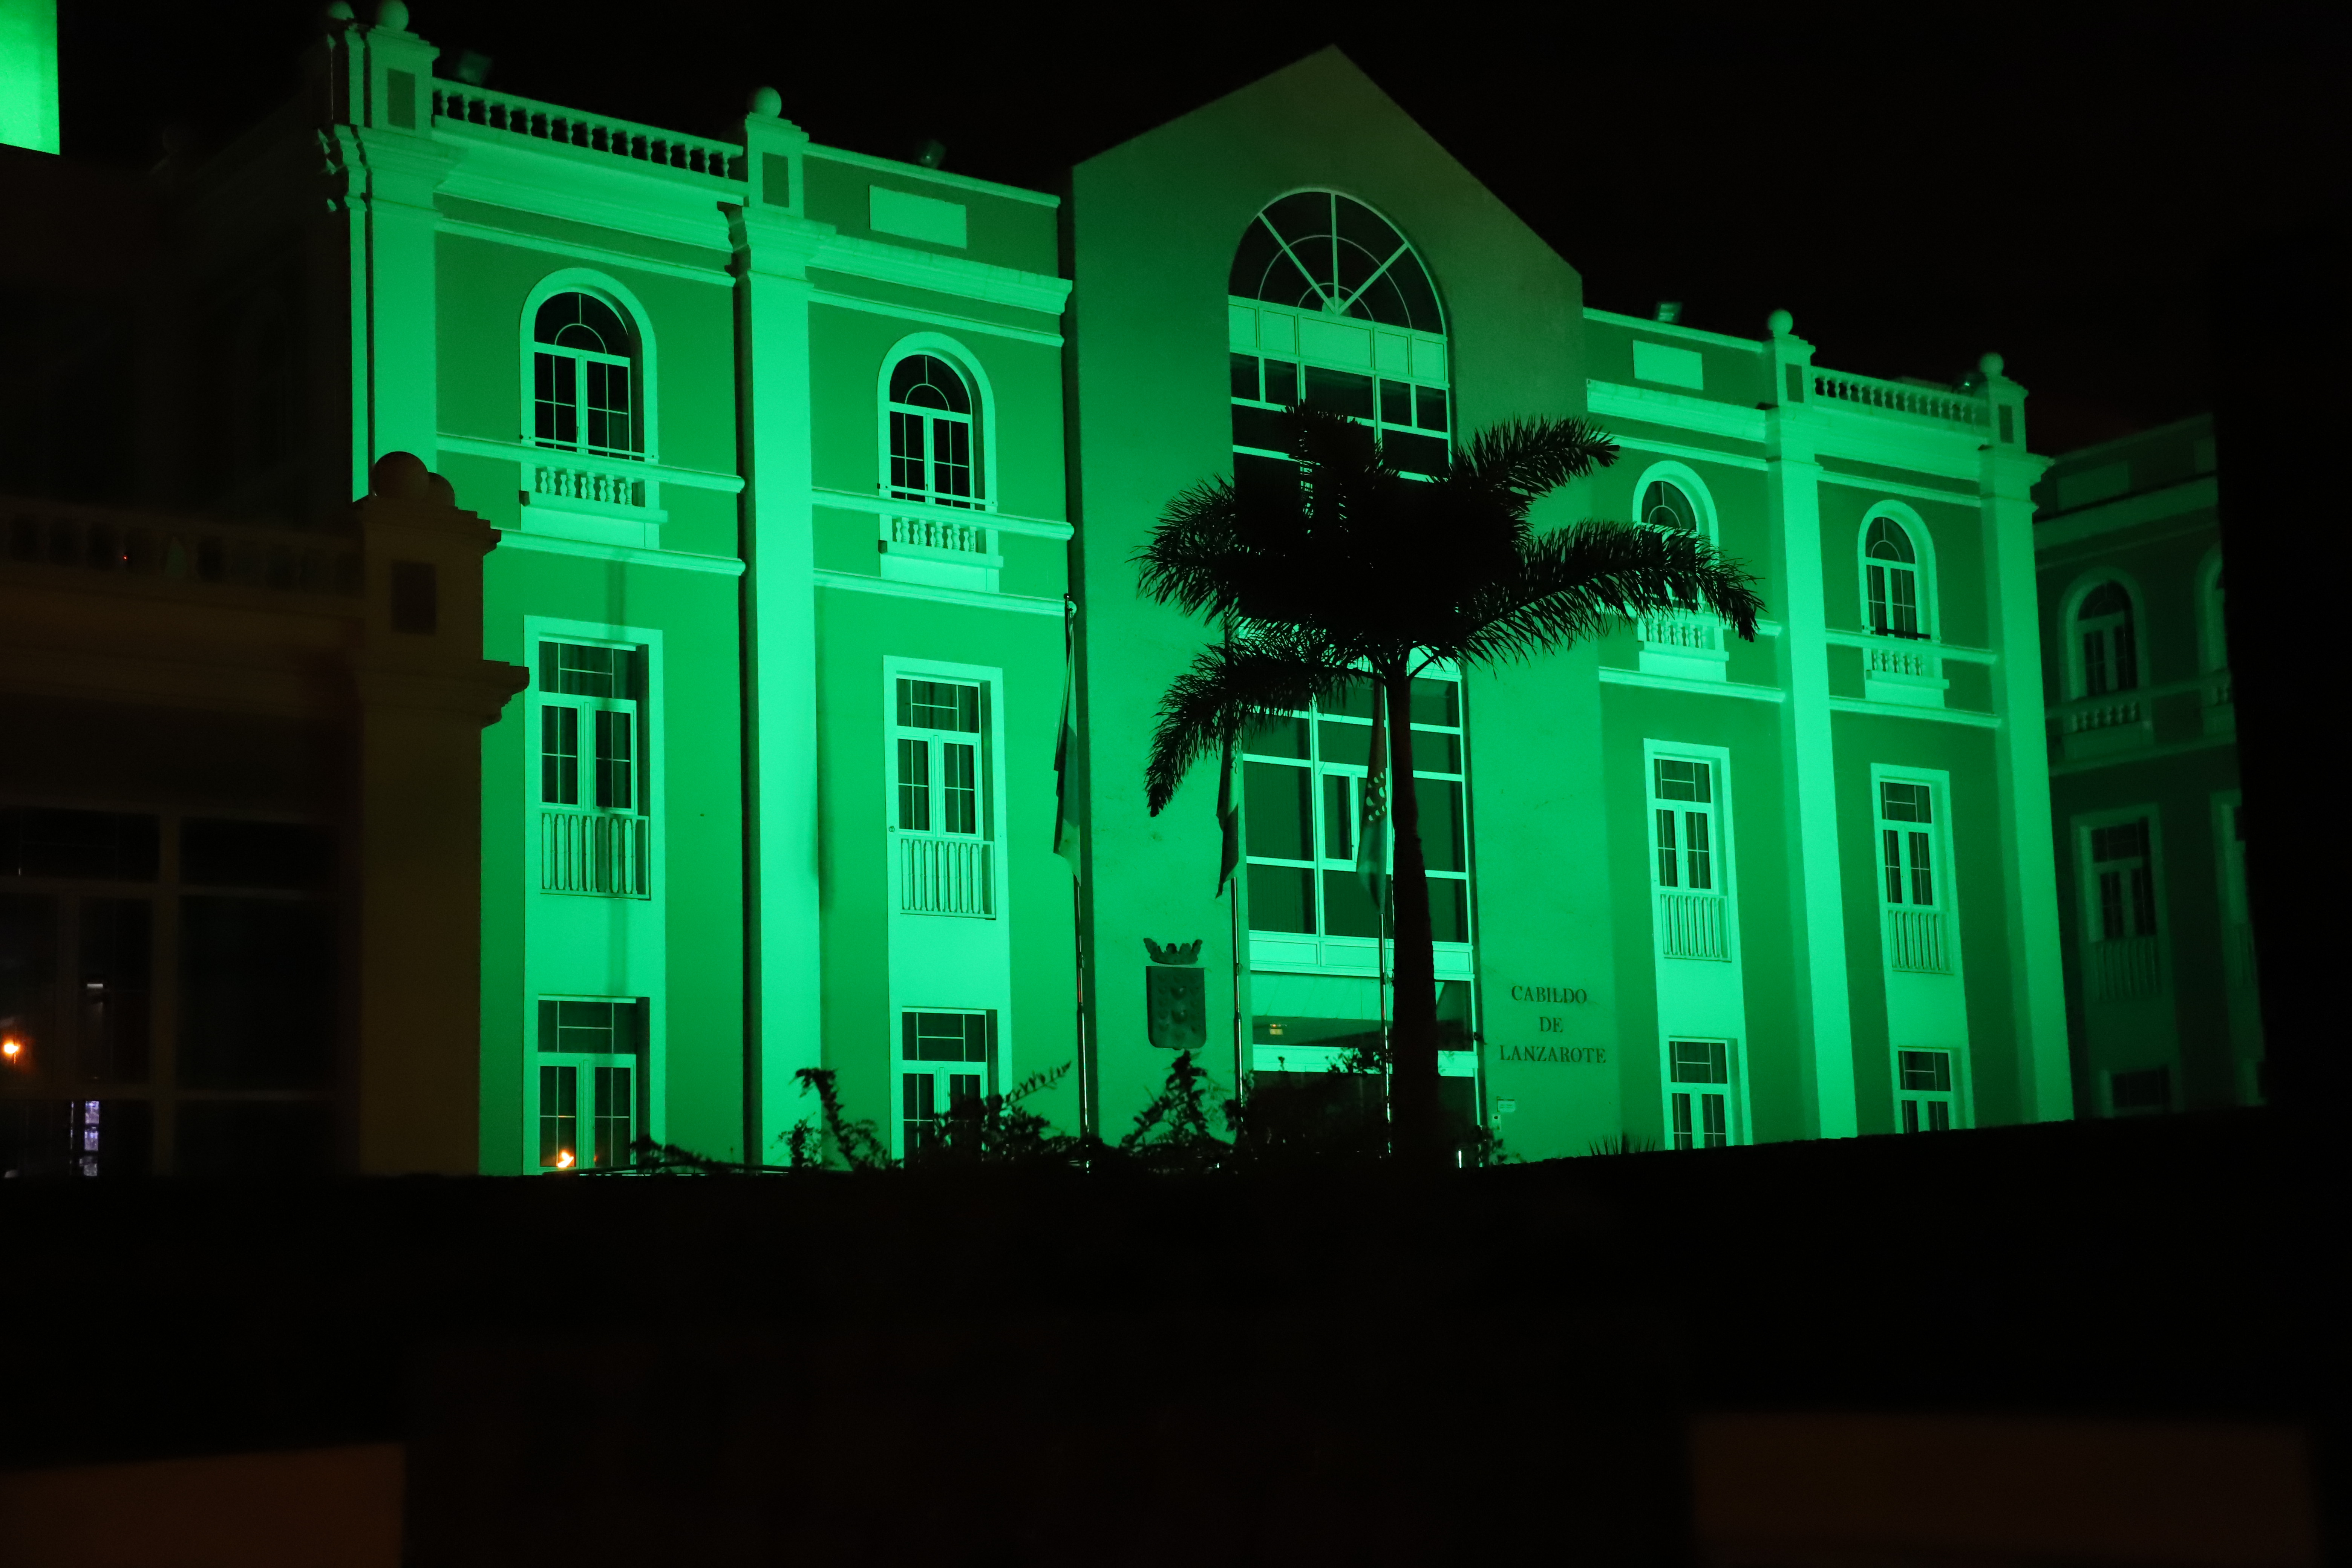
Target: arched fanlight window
x=1318 y=251
x=931 y=447
x=583 y=377
x=2104 y=631
x=1665 y=505
x=1891 y=574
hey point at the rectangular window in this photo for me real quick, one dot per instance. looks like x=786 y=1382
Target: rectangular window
x=1303 y=784
x=616 y=760
x=1905 y=813
x=1699 y=1096
x=1683 y=803
x=942 y=855
x=2145 y=1093
x=947 y=1061
x=1924 y=1097
x=2126 y=881
x=593 y=778
x=591 y=1068
x=559 y=756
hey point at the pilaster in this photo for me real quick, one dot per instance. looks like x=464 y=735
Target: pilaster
x=1792 y=499
x=785 y=1016
x=2007 y=472
x=403 y=168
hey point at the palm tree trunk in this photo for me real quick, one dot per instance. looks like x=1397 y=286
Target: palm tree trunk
x=1412 y=1043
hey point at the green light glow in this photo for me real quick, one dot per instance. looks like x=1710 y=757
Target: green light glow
x=28 y=74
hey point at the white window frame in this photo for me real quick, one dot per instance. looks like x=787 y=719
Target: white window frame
x=640 y=828
x=1721 y=850
x=1903 y=948
x=2110 y=975
x=1733 y=1087
x=645 y=375
x=537 y=1057
x=915 y=884
x=941 y=1073
x=1923 y=569
x=2071 y=627
x=1914 y=1107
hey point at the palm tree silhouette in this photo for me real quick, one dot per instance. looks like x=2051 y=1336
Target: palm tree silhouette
x=1359 y=569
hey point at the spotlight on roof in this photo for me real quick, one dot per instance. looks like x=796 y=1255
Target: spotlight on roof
x=1670 y=310
x=932 y=152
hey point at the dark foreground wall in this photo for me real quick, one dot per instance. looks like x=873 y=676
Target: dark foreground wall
x=1061 y=1368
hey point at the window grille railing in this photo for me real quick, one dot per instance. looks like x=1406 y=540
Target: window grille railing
x=2124 y=967
x=1894 y=398
x=96 y=539
x=587 y=484
x=946 y=874
x=2110 y=713
x=1915 y=941
x=1684 y=630
x=1691 y=925
x=934 y=533
x=1906 y=662
x=595 y=852
x=592 y=132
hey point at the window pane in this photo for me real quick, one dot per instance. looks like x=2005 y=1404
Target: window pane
x=1699 y=1061
x=907 y=453
x=1429 y=404
x=1894 y=844
x=1449 y=909
x=1876 y=577
x=1718 y=1131
x=1245 y=375
x=1340 y=391
x=915 y=785
x=1697 y=852
x=1417 y=454
x=1905 y=585
x=558 y=1117
x=960 y=795
x=1281 y=899
x=1440 y=824
x=1436 y=752
x=1276 y=803
x=1344 y=744
x=257 y=993
x=1282 y=383
x=1340 y=809
x=1347 y=906
x=590 y=1028
x=614 y=1105
x=1276 y=738
x=616 y=767
x=1669 y=862
x=1923 y=879
x=1259 y=428
x=116 y=955
x=951 y=458
x=1396 y=403
x=559 y=755
x=1437 y=703
x=1682 y=1120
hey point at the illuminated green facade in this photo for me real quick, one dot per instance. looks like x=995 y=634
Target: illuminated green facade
x=795 y=453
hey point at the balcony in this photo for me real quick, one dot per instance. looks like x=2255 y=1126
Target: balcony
x=1682 y=643
x=1901 y=400
x=595 y=852
x=946 y=874
x=947 y=552
x=1915 y=941
x=2103 y=726
x=621 y=140
x=2123 y=968
x=1904 y=670
x=1692 y=925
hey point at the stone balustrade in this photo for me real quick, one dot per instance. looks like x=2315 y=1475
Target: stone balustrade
x=590 y=132
x=1896 y=397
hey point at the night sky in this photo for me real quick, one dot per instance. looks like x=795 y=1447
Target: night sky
x=1916 y=182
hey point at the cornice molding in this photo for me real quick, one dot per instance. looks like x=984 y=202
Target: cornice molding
x=1675 y=410
x=953 y=275
x=529 y=177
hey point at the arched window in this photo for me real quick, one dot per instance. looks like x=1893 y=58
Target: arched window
x=933 y=456
x=584 y=383
x=1891 y=579
x=1665 y=505
x=1329 y=308
x=1318 y=251
x=2105 y=637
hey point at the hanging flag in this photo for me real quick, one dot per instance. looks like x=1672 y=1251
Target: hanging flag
x=1229 y=823
x=1065 y=746
x=1372 y=829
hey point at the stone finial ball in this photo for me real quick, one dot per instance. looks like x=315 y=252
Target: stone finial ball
x=338 y=11
x=443 y=492
x=766 y=101
x=393 y=15
x=1990 y=365
x=400 y=475
x=1780 y=323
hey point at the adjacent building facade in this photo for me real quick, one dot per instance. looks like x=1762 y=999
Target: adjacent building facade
x=2161 y=978
x=815 y=478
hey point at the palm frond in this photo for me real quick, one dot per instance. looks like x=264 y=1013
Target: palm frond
x=1518 y=460
x=1586 y=580
x=1263 y=673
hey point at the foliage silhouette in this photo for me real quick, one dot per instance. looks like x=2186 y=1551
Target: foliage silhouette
x=1358 y=568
